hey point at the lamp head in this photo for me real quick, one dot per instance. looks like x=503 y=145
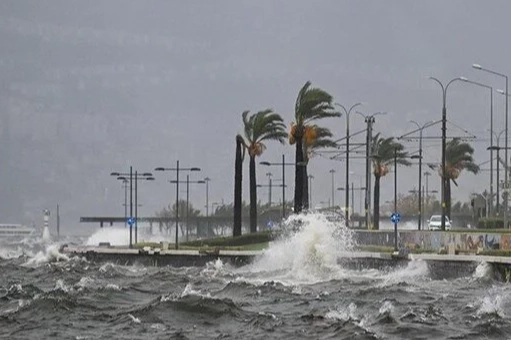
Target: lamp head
x=476 y=66
x=501 y=91
x=148 y=174
x=150 y=179
x=195 y=169
x=115 y=174
x=465 y=79
x=159 y=169
x=265 y=163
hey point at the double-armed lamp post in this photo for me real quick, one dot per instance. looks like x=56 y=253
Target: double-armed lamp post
x=188 y=182
x=347 y=184
x=506 y=160
x=283 y=165
x=177 y=169
x=444 y=141
x=129 y=177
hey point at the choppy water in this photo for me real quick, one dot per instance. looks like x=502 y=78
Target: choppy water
x=295 y=291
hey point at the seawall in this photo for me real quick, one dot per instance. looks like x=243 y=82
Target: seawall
x=440 y=266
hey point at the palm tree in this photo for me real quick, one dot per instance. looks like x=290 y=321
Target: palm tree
x=311 y=104
x=238 y=178
x=384 y=150
x=262 y=126
x=458 y=157
x=315 y=138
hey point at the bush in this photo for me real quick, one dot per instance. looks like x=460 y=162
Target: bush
x=490 y=223
x=495 y=252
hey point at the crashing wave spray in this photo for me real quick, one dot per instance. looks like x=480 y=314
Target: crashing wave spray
x=120 y=237
x=308 y=249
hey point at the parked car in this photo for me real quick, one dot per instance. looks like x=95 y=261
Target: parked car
x=435 y=223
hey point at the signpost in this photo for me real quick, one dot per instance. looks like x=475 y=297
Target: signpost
x=131 y=221
x=395 y=218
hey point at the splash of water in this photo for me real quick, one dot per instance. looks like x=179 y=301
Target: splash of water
x=50 y=254
x=483 y=270
x=120 y=237
x=308 y=250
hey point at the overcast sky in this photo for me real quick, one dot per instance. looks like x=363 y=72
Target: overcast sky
x=91 y=87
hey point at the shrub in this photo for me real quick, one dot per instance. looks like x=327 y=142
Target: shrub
x=490 y=223
x=261 y=237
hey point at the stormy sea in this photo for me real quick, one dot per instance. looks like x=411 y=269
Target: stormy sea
x=295 y=290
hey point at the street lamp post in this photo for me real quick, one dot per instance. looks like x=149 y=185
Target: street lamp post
x=421 y=129
x=188 y=182
x=269 y=175
x=427 y=174
x=283 y=165
x=395 y=198
x=497 y=148
x=347 y=194
x=332 y=171
x=124 y=177
x=490 y=207
x=506 y=179
x=177 y=169
x=369 y=120
x=310 y=189
x=444 y=137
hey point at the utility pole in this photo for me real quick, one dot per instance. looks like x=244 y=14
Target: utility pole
x=369 y=151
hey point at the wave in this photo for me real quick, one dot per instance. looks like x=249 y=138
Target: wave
x=307 y=251
x=49 y=255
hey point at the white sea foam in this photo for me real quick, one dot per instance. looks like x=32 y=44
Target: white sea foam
x=414 y=270
x=491 y=305
x=190 y=291
x=134 y=319
x=343 y=314
x=50 y=254
x=483 y=270
x=386 y=308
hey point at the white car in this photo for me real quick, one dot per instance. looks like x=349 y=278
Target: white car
x=435 y=223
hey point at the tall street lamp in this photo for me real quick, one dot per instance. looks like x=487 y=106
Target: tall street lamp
x=310 y=189
x=347 y=196
x=490 y=208
x=419 y=156
x=497 y=148
x=444 y=137
x=283 y=164
x=332 y=172
x=369 y=120
x=188 y=182
x=353 y=188
x=269 y=175
x=177 y=169
x=132 y=176
x=506 y=179
x=207 y=180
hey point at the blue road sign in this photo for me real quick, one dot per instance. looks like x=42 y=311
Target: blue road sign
x=131 y=221
x=395 y=217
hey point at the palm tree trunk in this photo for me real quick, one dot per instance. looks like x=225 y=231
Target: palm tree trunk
x=298 y=176
x=305 y=188
x=238 y=178
x=253 y=196
x=376 y=209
